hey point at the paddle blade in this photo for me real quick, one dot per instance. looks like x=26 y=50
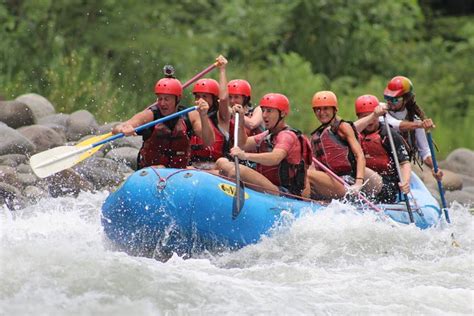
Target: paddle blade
x=90 y=141
x=57 y=159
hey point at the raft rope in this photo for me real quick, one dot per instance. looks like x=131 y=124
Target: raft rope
x=162 y=182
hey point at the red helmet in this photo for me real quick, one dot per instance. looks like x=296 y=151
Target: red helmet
x=276 y=101
x=206 y=86
x=398 y=86
x=169 y=86
x=239 y=86
x=324 y=98
x=366 y=104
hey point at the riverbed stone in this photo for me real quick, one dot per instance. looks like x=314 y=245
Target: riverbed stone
x=13 y=160
x=13 y=142
x=15 y=114
x=102 y=172
x=42 y=137
x=67 y=182
x=79 y=124
x=461 y=160
x=11 y=196
x=38 y=105
x=126 y=155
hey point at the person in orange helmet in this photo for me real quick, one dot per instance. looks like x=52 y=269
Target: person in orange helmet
x=335 y=145
x=282 y=154
x=378 y=154
x=168 y=144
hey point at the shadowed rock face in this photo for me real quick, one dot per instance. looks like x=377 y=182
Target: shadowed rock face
x=16 y=114
x=13 y=142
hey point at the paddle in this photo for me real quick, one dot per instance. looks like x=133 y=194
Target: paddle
x=440 y=185
x=193 y=79
x=57 y=159
x=345 y=184
x=239 y=196
x=397 y=165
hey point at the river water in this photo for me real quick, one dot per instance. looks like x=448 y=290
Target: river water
x=54 y=261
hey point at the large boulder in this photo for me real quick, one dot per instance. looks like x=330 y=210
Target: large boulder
x=79 y=124
x=451 y=180
x=42 y=137
x=102 y=172
x=13 y=160
x=67 y=182
x=126 y=155
x=38 y=105
x=13 y=142
x=55 y=119
x=8 y=175
x=16 y=114
x=463 y=197
x=106 y=128
x=461 y=161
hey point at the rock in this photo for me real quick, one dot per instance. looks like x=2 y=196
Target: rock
x=451 y=180
x=467 y=181
x=106 y=128
x=38 y=105
x=61 y=130
x=79 y=124
x=24 y=168
x=11 y=197
x=13 y=160
x=13 y=142
x=55 y=119
x=8 y=175
x=16 y=114
x=27 y=179
x=42 y=137
x=34 y=193
x=130 y=141
x=461 y=161
x=469 y=189
x=67 y=182
x=461 y=197
x=126 y=155
x=102 y=172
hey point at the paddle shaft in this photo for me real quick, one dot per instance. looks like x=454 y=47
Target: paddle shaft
x=346 y=185
x=440 y=185
x=397 y=166
x=236 y=205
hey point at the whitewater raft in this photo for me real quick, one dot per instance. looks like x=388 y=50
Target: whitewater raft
x=165 y=211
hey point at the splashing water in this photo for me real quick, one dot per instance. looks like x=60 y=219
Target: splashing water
x=54 y=261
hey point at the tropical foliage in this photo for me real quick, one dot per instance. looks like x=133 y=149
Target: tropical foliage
x=106 y=55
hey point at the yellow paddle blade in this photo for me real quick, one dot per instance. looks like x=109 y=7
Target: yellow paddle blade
x=90 y=141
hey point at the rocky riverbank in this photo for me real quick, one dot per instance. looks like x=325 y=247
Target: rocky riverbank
x=29 y=125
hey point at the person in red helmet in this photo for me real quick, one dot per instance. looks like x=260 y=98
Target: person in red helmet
x=406 y=116
x=168 y=144
x=282 y=154
x=335 y=144
x=215 y=95
x=240 y=92
x=378 y=152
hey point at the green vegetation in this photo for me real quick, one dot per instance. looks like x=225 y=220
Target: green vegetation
x=106 y=55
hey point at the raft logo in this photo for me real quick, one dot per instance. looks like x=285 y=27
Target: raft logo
x=230 y=190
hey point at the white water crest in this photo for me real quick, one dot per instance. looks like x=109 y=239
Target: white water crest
x=54 y=261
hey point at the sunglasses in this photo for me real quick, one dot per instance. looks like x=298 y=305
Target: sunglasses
x=393 y=100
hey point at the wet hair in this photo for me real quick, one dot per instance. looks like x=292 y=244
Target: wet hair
x=413 y=110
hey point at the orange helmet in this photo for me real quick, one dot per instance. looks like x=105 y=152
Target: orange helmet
x=207 y=85
x=398 y=86
x=324 y=98
x=276 y=101
x=169 y=86
x=366 y=104
x=239 y=86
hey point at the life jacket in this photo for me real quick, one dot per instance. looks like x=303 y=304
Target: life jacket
x=333 y=151
x=221 y=146
x=409 y=139
x=376 y=156
x=166 y=144
x=290 y=176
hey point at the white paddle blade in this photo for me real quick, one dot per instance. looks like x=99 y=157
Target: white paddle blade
x=57 y=159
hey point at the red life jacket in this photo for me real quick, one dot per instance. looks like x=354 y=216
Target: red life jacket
x=376 y=156
x=333 y=151
x=290 y=176
x=220 y=148
x=166 y=144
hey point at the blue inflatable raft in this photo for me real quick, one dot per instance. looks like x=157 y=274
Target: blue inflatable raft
x=157 y=212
